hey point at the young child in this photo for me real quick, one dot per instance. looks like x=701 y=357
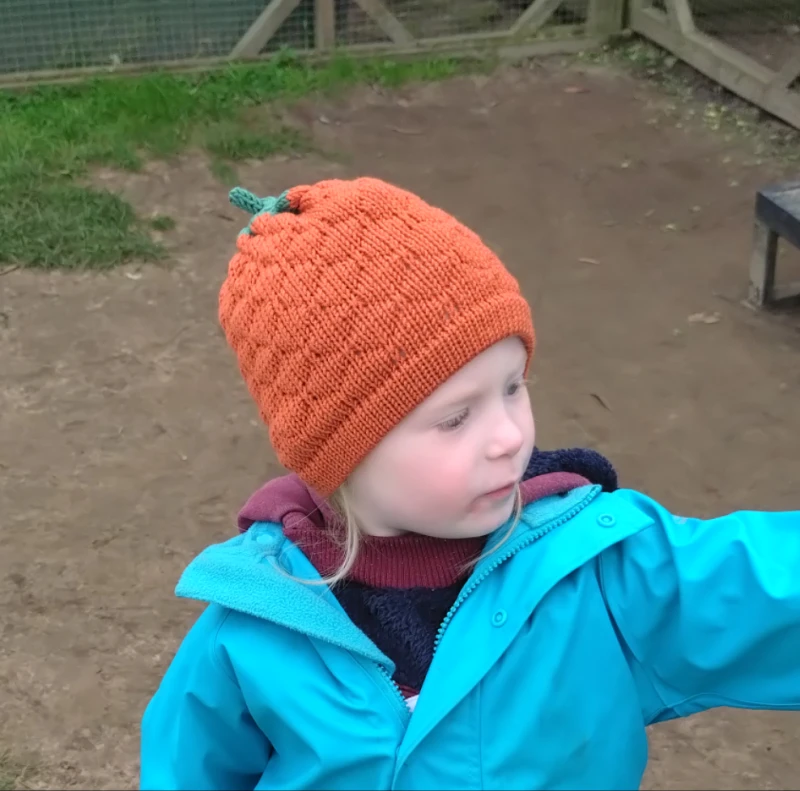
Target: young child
x=425 y=602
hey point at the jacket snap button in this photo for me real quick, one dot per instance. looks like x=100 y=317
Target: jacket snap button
x=499 y=618
x=606 y=520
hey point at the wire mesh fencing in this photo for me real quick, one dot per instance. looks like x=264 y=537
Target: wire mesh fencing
x=750 y=47
x=432 y=19
x=49 y=35
x=766 y=30
x=66 y=34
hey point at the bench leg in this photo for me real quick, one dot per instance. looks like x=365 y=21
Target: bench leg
x=762 y=265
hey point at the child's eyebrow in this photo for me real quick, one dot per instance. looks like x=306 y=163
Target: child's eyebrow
x=462 y=399
x=472 y=394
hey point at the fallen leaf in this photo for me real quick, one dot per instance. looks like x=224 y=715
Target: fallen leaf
x=600 y=400
x=704 y=318
x=133 y=275
x=588 y=261
x=485 y=109
x=575 y=89
x=401 y=131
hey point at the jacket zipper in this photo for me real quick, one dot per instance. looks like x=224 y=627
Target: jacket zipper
x=384 y=673
x=395 y=688
x=467 y=590
x=501 y=558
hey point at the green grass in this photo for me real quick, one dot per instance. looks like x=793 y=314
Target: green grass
x=162 y=223
x=51 y=136
x=13 y=774
x=232 y=141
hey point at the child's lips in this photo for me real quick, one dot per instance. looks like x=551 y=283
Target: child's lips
x=501 y=493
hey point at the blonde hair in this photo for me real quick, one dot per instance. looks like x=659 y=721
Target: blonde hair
x=341 y=504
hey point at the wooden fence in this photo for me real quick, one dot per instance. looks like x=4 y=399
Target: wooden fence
x=69 y=40
x=143 y=35
x=674 y=25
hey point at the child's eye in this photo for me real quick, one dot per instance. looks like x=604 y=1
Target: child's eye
x=451 y=424
x=515 y=387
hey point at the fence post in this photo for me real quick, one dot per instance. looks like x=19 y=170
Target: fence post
x=264 y=28
x=680 y=15
x=605 y=17
x=324 y=24
x=380 y=14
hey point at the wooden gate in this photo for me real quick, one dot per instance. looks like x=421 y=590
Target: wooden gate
x=407 y=27
x=672 y=24
x=187 y=35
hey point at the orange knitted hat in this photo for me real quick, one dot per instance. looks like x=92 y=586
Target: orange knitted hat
x=347 y=304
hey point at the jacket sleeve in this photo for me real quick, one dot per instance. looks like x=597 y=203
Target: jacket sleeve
x=708 y=611
x=196 y=731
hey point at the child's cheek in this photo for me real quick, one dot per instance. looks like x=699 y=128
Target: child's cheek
x=439 y=485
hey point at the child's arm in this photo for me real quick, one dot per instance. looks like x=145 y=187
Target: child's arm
x=196 y=731
x=709 y=611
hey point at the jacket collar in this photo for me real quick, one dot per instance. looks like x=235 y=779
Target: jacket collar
x=263 y=574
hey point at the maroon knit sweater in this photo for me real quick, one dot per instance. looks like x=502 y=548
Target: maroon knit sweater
x=400 y=588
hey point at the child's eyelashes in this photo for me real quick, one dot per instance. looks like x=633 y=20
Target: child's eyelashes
x=454 y=422
x=515 y=387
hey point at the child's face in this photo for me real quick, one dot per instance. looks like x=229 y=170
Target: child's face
x=449 y=469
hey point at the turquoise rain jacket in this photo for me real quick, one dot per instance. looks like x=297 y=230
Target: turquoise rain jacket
x=602 y=614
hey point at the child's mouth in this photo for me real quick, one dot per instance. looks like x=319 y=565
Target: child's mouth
x=500 y=494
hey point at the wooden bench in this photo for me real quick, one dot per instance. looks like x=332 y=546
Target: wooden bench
x=777 y=216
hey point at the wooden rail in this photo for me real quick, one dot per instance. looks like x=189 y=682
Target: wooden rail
x=522 y=40
x=675 y=30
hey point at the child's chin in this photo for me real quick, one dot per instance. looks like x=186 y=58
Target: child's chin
x=490 y=523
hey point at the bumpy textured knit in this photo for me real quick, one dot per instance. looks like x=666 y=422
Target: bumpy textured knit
x=347 y=304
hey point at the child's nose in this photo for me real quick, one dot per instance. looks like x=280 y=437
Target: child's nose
x=507 y=439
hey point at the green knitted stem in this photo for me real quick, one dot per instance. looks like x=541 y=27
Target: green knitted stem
x=253 y=205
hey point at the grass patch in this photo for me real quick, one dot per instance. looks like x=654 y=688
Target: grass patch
x=162 y=222
x=13 y=774
x=232 y=141
x=224 y=172
x=50 y=136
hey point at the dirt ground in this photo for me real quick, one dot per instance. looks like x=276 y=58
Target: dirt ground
x=127 y=440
